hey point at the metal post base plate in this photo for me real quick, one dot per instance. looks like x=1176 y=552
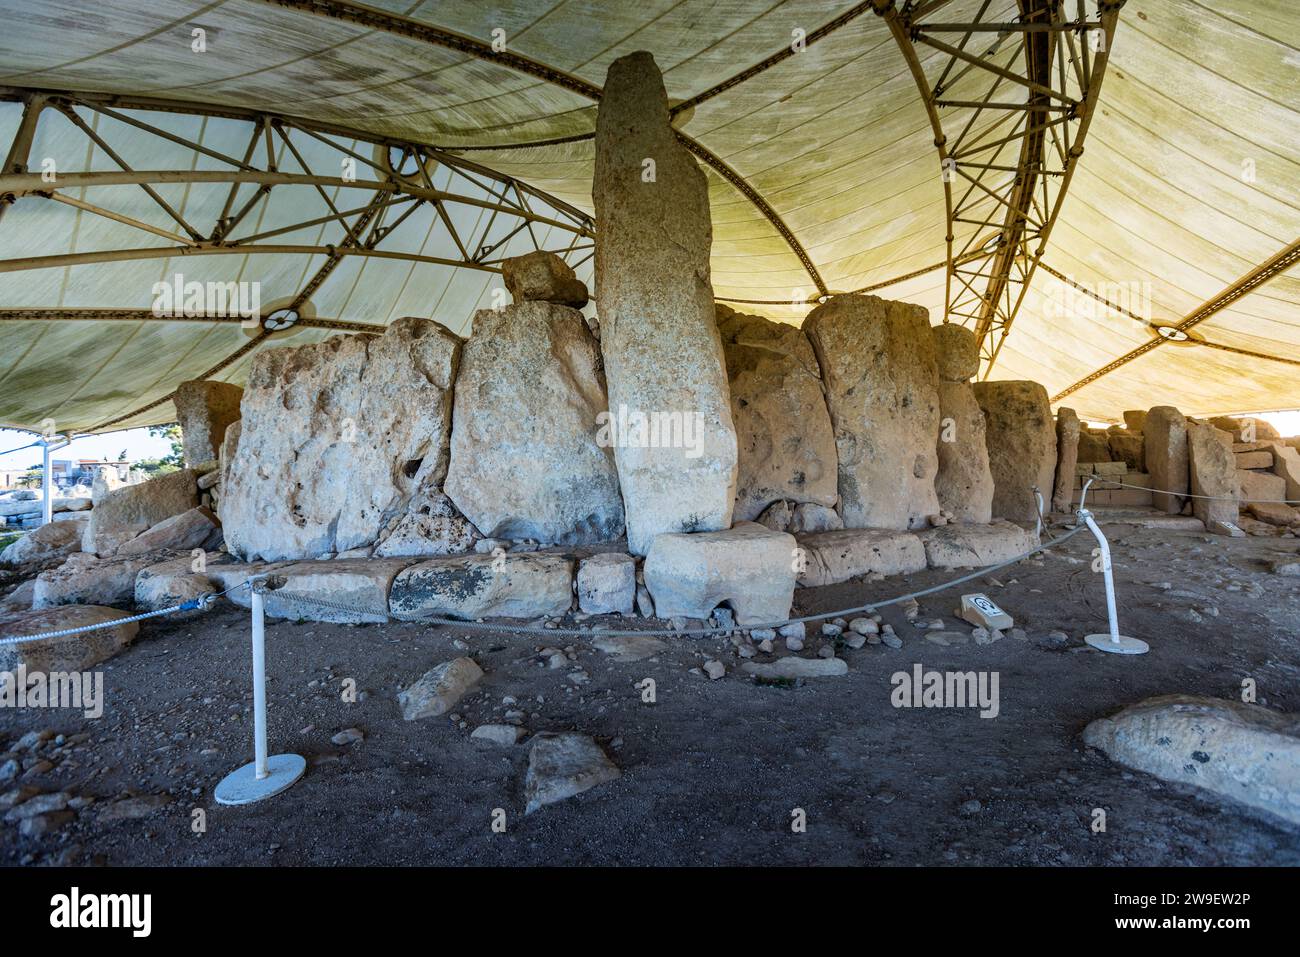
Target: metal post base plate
x=243 y=786
x=1125 y=646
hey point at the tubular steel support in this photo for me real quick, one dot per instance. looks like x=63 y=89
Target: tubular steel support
x=1009 y=118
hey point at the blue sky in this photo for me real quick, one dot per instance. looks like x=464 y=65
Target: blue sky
x=139 y=444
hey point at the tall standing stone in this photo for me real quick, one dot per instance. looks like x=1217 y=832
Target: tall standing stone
x=964 y=484
x=675 y=444
x=785 y=442
x=882 y=388
x=525 y=462
x=1067 y=458
x=204 y=410
x=1022 y=445
x=1213 y=472
x=1165 y=441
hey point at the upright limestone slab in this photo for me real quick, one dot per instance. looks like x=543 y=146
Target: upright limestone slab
x=205 y=410
x=1213 y=472
x=1022 y=445
x=663 y=356
x=882 y=388
x=525 y=461
x=336 y=438
x=1067 y=457
x=1164 y=432
x=785 y=442
x=964 y=483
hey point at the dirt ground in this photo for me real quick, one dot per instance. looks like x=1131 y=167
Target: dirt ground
x=714 y=769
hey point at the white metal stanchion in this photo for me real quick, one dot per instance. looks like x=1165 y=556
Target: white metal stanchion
x=265 y=776
x=1114 y=642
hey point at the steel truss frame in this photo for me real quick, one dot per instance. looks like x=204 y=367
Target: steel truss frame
x=399 y=182
x=1009 y=119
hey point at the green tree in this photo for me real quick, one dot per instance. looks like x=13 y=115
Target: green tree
x=168 y=463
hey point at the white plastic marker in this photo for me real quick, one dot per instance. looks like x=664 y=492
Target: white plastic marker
x=265 y=776
x=1114 y=642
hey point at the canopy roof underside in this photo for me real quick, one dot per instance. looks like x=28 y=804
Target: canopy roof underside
x=1189 y=180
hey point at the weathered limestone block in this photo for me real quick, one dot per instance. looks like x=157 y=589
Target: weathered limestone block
x=1127 y=447
x=361 y=585
x=70 y=653
x=525 y=456
x=439 y=689
x=204 y=410
x=86 y=580
x=1240 y=751
x=1067 y=458
x=336 y=438
x=55 y=540
x=561 y=765
x=195 y=528
x=785 y=443
x=1022 y=445
x=1245 y=429
x=431 y=525
x=964 y=483
x=882 y=388
x=974 y=546
x=1093 y=446
x=832 y=557
x=543 y=277
x=1286 y=463
x=776 y=516
x=1213 y=471
x=172 y=583
x=1165 y=448
x=750 y=567
x=663 y=355
x=607 y=584
x=813 y=518
x=791 y=667
x=1135 y=420
x=1259 y=487
x=123 y=513
x=526 y=585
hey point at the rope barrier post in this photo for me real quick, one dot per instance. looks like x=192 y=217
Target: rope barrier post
x=1038 y=516
x=265 y=776
x=1115 y=643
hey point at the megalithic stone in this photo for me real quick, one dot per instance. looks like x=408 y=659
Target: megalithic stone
x=964 y=483
x=1067 y=458
x=669 y=405
x=1022 y=445
x=204 y=410
x=878 y=363
x=1165 y=439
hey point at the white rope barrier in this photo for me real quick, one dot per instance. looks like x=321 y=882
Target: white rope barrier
x=1218 y=498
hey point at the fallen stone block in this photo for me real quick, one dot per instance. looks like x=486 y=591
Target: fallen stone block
x=501 y=735
x=1274 y=514
x=196 y=528
x=123 y=513
x=1244 y=752
x=172 y=583
x=791 y=667
x=439 y=689
x=750 y=567
x=55 y=540
x=809 y=518
x=71 y=653
x=86 y=580
x=607 y=584
x=1254 y=460
x=431 y=525
x=563 y=765
x=628 y=647
x=527 y=585
x=1259 y=487
x=361 y=585
x=973 y=546
x=831 y=557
